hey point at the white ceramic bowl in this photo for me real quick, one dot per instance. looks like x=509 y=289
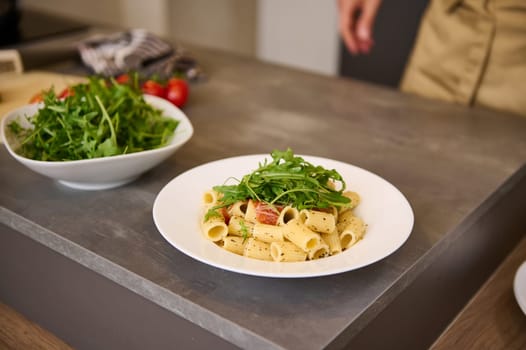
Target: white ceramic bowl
x=105 y=172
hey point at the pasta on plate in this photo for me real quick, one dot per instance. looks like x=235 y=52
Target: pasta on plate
x=285 y=211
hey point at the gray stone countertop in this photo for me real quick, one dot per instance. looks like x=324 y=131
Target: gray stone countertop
x=446 y=159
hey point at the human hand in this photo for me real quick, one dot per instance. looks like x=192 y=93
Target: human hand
x=356 y=19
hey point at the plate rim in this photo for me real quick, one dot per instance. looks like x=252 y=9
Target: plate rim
x=281 y=274
x=519 y=281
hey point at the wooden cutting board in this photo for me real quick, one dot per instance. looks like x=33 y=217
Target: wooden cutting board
x=16 y=89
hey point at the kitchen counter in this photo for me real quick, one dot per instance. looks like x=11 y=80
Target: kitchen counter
x=92 y=267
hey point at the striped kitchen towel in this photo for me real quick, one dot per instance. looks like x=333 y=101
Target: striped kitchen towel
x=137 y=50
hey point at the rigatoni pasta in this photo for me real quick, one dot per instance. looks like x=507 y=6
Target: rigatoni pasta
x=287 y=213
x=234 y=244
x=352 y=232
x=297 y=217
x=286 y=251
x=214 y=229
x=296 y=235
x=319 y=251
x=268 y=233
x=332 y=240
x=257 y=249
x=239 y=208
x=318 y=221
x=211 y=198
x=299 y=234
x=250 y=212
x=237 y=226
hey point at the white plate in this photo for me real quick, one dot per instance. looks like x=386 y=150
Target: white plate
x=178 y=209
x=519 y=286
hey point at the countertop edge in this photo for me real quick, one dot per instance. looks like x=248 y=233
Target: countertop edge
x=160 y=296
x=428 y=258
x=225 y=328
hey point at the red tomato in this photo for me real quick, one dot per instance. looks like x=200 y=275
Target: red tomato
x=66 y=92
x=152 y=87
x=226 y=215
x=36 y=98
x=267 y=214
x=123 y=79
x=177 y=91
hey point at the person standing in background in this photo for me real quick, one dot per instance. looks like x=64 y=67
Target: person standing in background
x=471 y=52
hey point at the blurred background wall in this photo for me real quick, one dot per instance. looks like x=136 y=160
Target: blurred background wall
x=151 y=14
x=298 y=33
x=301 y=33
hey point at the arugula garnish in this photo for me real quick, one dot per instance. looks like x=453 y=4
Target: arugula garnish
x=286 y=180
x=244 y=230
x=102 y=118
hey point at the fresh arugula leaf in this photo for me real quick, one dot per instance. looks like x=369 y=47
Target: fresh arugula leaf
x=102 y=118
x=244 y=230
x=287 y=180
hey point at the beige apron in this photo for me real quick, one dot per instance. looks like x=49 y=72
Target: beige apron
x=471 y=52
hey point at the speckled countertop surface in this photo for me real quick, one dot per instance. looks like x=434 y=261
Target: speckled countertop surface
x=447 y=160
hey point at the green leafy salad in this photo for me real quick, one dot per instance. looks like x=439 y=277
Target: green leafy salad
x=286 y=180
x=99 y=118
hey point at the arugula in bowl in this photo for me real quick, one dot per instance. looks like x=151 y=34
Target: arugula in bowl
x=99 y=118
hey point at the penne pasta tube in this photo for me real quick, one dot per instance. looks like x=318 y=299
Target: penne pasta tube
x=358 y=226
x=344 y=219
x=355 y=200
x=301 y=235
x=275 y=233
x=257 y=249
x=318 y=221
x=348 y=238
x=210 y=198
x=234 y=244
x=333 y=242
x=239 y=227
x=352 y=233
x=288 y=213
x=250 y=214
x=286 y=251
x=215 y=229
x=334 y=211
x=320 y=251
x=268 y=233
x=238 y=209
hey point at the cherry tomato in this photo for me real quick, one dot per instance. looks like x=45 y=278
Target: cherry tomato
x=267 y=214
x=152 y=87
x=37 y=98
x=66 y=92
x=123 y=79
x=177 y=91
x=225 y=214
